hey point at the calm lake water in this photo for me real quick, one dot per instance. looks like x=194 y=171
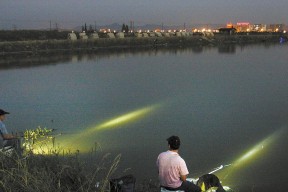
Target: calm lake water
x=229 y=106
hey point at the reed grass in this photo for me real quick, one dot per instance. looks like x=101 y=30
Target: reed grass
x=57 y=171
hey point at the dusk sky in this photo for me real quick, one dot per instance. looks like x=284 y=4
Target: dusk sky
x=22 y=14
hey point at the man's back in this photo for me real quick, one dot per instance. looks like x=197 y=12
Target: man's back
x=3 y=130
x=171 y=166
x=172 y=169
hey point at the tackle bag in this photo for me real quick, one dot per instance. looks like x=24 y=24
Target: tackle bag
x=210 y=181
x=123 y=184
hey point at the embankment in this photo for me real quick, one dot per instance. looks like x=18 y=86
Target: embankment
x=60 y=46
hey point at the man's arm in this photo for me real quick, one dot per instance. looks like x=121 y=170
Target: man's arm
x=8 y=136
x=183 y=177
x=183 y=170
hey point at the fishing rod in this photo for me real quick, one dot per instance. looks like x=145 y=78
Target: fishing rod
x=194 y=180
x=219 y=168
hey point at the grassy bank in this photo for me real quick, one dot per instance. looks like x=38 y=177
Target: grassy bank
x=58 y=170
x=55 y=172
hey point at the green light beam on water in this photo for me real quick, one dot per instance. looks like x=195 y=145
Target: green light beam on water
x=259 y=149
x=75 y=142
x=117 y=122
x=122 y=119
x=126 y=118
x=251 y=156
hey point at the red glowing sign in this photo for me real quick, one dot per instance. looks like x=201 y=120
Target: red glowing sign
x=243 y=23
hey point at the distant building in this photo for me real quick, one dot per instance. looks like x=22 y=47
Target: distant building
x=166 y=34
x=178 y=34
x=151 y=34
x=105 y=30
x=243 y=27
x=111 y=35
x=94 y=36
x=158 y=34
x=72 y=36
x=276 y=28
x=259 y=27
x=145 y=35
x=227 y=31
x=229 y=25
x=138 y=35
x=83 y=35
x=120 y=35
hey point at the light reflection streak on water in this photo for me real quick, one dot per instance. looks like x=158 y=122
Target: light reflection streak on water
x=75 y=142
x=258 y=150
x=250 y=156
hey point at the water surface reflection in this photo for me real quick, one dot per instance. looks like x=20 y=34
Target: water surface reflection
x=221 y=105
x=36 y=60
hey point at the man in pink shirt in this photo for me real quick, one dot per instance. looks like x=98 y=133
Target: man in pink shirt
x=172 y=169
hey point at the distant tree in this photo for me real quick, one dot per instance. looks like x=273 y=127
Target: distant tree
x=56 y=26
x=84 y=27
x=90 y=28
x=125 y=28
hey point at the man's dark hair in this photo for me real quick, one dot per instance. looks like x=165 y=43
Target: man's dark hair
x=174 y=142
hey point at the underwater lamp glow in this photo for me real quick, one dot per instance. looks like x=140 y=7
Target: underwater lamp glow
x=122 y=119
x=258 y=148
x=69 y=141
x=126 y=118
x=252 y=152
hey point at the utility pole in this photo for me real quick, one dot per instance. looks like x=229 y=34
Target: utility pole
x=14 y=27
x=56 y=26
x=132 y=27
